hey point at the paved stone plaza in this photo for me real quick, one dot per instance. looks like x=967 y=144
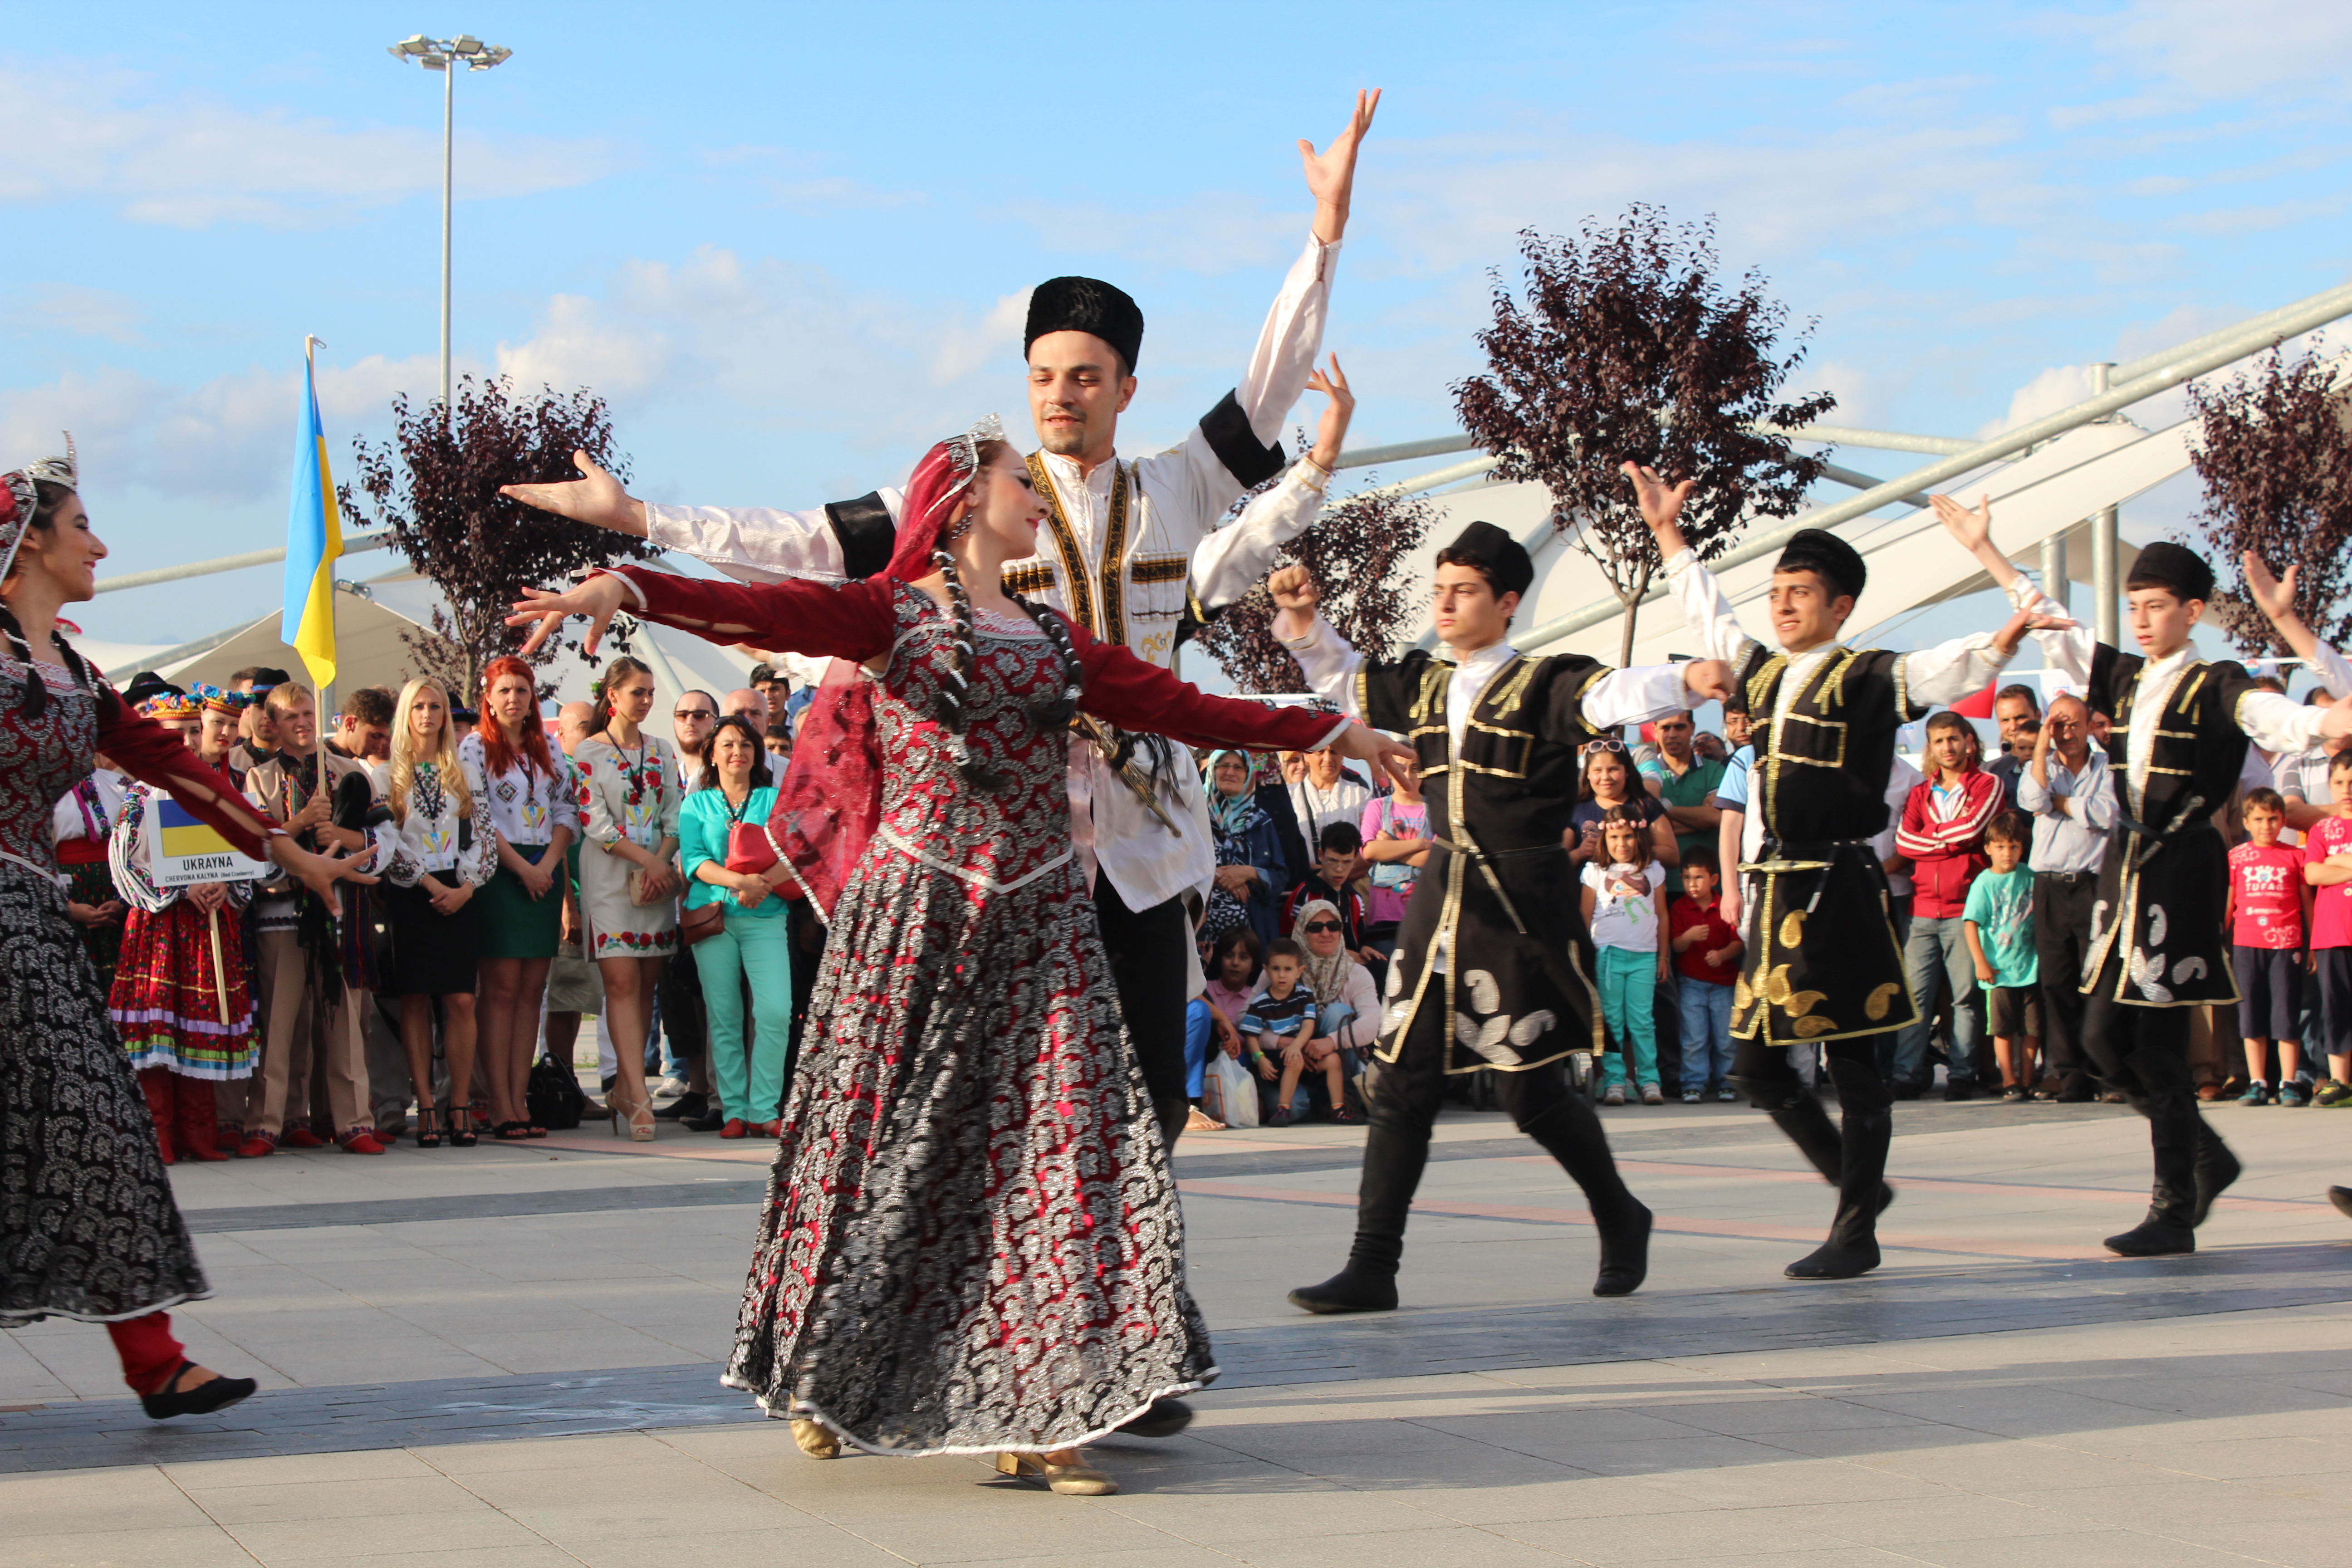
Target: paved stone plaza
x=507 y=1356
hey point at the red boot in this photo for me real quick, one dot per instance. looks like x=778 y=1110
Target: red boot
x=197 y=1128
x=155 y=1083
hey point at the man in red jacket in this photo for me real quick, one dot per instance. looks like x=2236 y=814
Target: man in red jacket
x=1942 y=834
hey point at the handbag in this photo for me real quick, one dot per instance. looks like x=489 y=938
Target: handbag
x=553 y=1096
x=702 y=920
x=750 y=850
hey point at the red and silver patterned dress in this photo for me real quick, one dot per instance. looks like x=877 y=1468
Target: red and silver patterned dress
x=972 y=1240
x=89 y=1227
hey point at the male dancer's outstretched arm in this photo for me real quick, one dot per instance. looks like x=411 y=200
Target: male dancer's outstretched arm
x=759 y=544
x=1946 y=672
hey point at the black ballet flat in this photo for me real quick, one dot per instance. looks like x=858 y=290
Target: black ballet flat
x=1624 y=1256
x=217 y=1393
x=1164 y=1419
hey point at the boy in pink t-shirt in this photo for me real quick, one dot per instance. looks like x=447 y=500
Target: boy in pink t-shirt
x=2267 y=900
x=2328 y=865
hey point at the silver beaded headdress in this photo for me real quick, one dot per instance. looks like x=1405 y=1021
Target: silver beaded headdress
x=964 y=460
x=22 y=500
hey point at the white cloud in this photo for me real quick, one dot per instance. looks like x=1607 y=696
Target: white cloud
x=83 y=311
x=2233 y=51
x=74 y=131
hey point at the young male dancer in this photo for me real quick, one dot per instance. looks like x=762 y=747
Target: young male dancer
x=1493 y=965
x=1133 y=551
x=1823 y=965
x=2157 y=947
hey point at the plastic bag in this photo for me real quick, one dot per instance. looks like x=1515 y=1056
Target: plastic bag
x=1229 y=1091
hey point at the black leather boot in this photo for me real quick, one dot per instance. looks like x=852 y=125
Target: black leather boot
x=1394 y=1156
x=2216 y=1169
x=1571 y=1133
x=1795 y=1110
x=2168 y=1229
x=1868 y=1128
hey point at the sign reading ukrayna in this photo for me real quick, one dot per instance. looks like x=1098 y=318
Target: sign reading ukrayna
x=182 y=851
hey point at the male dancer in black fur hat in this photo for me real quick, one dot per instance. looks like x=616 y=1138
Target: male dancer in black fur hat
x=1493 y=966
x=1823 y=965
x=1125 y=539
x=2157 y=949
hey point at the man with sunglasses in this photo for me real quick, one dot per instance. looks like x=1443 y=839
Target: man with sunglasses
x=1493 y=965
x=1823 y=965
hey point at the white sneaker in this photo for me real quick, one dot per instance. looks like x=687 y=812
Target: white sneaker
x=1727 y=1095
x=1613 y=1095
x=666 y=1088
x=1651 y=1095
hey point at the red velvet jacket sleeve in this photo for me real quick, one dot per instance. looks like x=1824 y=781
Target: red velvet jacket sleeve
x=856 y=621
x=153 y=754
x=1136 y=694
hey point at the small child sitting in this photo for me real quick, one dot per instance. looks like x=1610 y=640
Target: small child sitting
x=1998 y=921
x=1282 y=1017
x=1625 y=909
x=1706 y=967
x=2267 y=899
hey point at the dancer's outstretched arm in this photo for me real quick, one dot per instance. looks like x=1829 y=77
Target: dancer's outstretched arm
x=1619 y=698
x=1230 y=562
x=2066 y=645
x=1705 y=608
x=851 y=620
x=2274 y=596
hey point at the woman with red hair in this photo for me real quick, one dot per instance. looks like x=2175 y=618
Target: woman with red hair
x=972 y=1242
x=534 y=808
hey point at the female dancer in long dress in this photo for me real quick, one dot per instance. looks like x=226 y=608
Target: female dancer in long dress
x=972 y=1242
x=87 y=1226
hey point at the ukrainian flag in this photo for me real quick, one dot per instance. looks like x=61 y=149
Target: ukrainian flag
x=177 y=832
x=314 y=540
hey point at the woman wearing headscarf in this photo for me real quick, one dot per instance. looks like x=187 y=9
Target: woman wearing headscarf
x=89 y=1227
x=1253 y=872
x=967 y=1094
x=1346 y=1003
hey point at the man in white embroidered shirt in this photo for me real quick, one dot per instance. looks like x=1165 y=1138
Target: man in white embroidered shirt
x=1124 y=540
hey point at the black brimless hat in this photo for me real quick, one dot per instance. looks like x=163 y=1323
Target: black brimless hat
x=2165 y=564
x=1086 y=305
x=1836 y=562
x=1508 y=567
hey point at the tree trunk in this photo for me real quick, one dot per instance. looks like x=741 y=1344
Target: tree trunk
x=1632 y=599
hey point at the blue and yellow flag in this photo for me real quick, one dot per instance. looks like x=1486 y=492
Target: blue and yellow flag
x=314 y=540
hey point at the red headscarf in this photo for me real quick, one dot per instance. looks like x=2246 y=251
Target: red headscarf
x=830 y=798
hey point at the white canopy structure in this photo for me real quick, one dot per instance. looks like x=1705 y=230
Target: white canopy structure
x=371 y=619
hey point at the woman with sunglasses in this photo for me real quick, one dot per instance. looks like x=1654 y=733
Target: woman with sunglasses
x=1608 y=780
x=1346 y=1003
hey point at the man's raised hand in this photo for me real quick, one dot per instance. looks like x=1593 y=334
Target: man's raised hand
x=1333 y=429
x=1391 y=758
x=596 y=498
x=1293 y=589
x=1331 y=173
x=2024 y=621
x=1662 y=505
x=2273 y=596
x=1972 y=529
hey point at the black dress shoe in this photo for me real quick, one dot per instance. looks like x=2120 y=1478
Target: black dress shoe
x=217 y=1394
x=2155 y=1237
x=710 y=1121
x=1624 y=1256
x=1349 y=1291
x=2342 y=1198
x=1959 y=1089
x=1835 y=1261
x=684 y=1107
x=1164 y=1419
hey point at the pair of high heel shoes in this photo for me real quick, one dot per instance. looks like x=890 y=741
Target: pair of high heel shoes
x=638 y=1119
x=461 y=1135
x=818 y=1442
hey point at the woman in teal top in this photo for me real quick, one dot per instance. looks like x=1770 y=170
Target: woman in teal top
x=737 y=791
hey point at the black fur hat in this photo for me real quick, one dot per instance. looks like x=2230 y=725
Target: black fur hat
x=1836 y=562
x=1086 y=305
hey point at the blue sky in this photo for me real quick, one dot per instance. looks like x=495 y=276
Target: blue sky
x=789 y=243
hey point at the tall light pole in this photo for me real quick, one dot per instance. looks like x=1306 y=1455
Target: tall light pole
x=443 y=55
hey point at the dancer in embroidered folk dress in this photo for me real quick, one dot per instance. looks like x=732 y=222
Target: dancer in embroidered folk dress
x=1134 y=553
x=179 y=1000
x=967 y=1097
x=1821 y=961
x=2157 y=948
x=88 y=1229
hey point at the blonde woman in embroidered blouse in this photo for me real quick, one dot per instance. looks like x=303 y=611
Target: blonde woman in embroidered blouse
x=629 y=800
x=447 y=849
x=534 y=816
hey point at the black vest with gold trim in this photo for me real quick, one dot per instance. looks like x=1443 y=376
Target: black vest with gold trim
x=1824 y=753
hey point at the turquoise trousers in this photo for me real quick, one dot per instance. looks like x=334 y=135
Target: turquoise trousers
x=758 y=946
x=1629 y=990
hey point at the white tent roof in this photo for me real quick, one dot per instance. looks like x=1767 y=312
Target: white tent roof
x=1913 y=563
x=369 y=621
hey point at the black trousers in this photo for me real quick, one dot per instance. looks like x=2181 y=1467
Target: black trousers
x=1146 y=948
x=1405 y=1098
x=2062 y=940
x=2144 y=1051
